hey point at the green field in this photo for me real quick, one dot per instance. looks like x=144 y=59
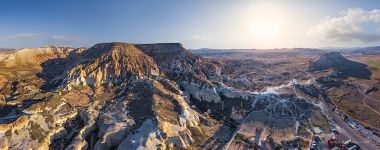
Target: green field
x=372 y=63
x=374 y=66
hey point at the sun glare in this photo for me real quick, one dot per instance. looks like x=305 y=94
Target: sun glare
x=264 y=29
x=266 y=24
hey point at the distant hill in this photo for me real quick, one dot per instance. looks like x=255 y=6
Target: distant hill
x=344 y=67
x=357 y=50
x=251 y=53
x=366 y=50
x=209 y=52
x=6 y=49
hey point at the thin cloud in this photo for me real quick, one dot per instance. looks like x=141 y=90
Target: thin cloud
x=197 y=38
x=25 y=36
x=353 y=25
x=64 y=40
x=41 y=39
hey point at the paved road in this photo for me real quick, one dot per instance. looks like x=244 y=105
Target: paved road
x=345 y=129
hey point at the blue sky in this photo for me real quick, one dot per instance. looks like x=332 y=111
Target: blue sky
x=195 y=23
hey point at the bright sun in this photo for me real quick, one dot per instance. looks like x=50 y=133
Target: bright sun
x=266 y=24
x=264 y=29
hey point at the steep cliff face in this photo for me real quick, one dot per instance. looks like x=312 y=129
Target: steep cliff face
x=169 y=121
x=198 y=78
x=112 y=90
x=118 y=95
x=145 y=104
x=174 y=60
x=191 y=72
x=111 y=63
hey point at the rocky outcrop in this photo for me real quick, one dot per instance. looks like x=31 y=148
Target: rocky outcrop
x=110 y=63
x=199 y=79
x=120 y=95
x=147 y=114
x=28 y=57
x=190 y=71
x=201 y=91
x=40 y=124
x=147 y=104
x=89 y=117
x=178 y=63
x=170 y=125
x=3 y=80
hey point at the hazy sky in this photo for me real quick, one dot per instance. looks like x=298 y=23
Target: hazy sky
x=195 y=23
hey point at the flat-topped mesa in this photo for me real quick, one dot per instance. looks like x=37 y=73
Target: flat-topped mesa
x=167 y=55
x=163 y=49
x=190 y=71
x=111 y=63
x=172 y=58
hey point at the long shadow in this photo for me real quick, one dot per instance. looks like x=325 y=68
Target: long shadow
x=355 y=69
x=345 y=68
x=10 y=113
x=221 y=113
x=53 y=68
x=50 y=69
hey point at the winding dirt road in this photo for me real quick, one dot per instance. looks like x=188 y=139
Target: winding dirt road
x=345 y=129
